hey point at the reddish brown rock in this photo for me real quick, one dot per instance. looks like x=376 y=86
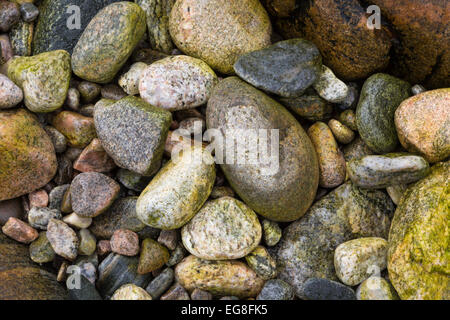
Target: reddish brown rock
x=339 y=29
x=19 y=231
x=78 y=129
x=423 y=124
x=103 y=247
x=28 y=160
x=279 y=8
x=94 y=159
x=176 y=292
x=422 y=53
x=38 y=198
x=125 y=242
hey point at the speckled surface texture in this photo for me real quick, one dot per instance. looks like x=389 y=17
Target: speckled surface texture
x=78 y=129
x=21 y=37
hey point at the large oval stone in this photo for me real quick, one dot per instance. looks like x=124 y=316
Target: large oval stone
x=108 y=41
x=221 y=278
x=306 y=249
x=217 y=31
x=44 y=79
x=280 y=187
x=28 y=159
x=57 y=25
x=380 y=96
x=423 y=124
x=418 y=254
x=223 y=229
x=178 y=191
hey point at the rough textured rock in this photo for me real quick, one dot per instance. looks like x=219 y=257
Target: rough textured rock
x=130 y=292
x=133 y=133
x=44 y=79
x=378 y=172
x=10 y=94
x=21 y=279
x=38 y=198
x=423 y=124
x=177 y=82
x=418 y=261
x=125 y=242
x=376 y=288
x=78 y=129
x=223 y=229
x=219 y=32
x=52 y=32
x=324 y=289
x=28 y=160
x=157 y=13
x=21 y=36
x=153 y=256
x=262 y=263
x=221 y=278
x=108 y=41
x=276 y=290
x=9 y=15
x=58 y=139
x=272 y=232
x=380 y=96
x=282 y=187
x=307 y=247
x=92 y=193
x=178 y=191
x=39 y=217
x=286 y=68
x=88 y=243
x=329 y=87
x=63 y=239
x=339 y=29
x=332 y=166
x=41 y=250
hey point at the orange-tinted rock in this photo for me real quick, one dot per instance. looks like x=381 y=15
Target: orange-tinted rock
x=423 y=52
x=38 y=198
x=339 y=29
x=28 y=160
x=423 y=124
x=125 y=242
x=94 y=159
x=78 y=129
x=19 y=231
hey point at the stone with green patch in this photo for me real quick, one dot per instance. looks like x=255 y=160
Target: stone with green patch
x=262 y=263
x=21 y=37
x=153 y=256
x=376 y=288
x=41 y=250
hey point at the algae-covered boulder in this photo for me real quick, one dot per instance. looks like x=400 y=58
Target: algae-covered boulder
x=419 y=254
x=28 y=160
x=108 y=41
x=44 y=79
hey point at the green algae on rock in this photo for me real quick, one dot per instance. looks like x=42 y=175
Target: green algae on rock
x=221 y=278
x=381 y=171
x=153 y=256
x=423 y=124
x=133 y=133
x=282 y=187
x=217 y=31
x=158 y=12
x=306 y=249
x=418 y=254
x=286 y=68
x=28 y=159
x=262 y=263
x=178 y=190
x=380 y=96
x=376 y=288
x=223 y=229
x=108 y=41
x=78 y=129
x=41 y=250
x=21 y=36
x=44 y=79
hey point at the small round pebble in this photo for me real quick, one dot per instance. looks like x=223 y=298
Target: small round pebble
x=28 y=11
x=19 y=230
x=41 y=250
x=130 y=292
x=160 y=283
x=272 y=232
x=125 y=242
x=38 y=198
x=58 y=139
x=153 y=256
x=342 y=133
x=329 y=87
x=262 y=263
x=129 y=81
x=89 y=91
x=10 y=94
x=77 y=221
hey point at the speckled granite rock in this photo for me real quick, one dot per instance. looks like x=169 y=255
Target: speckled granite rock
x=10 y=94
x=376 y=288
x=52 y=32
x=28 y=160
x=44 y=79
x=380 y=96
x=358 y=259
x=339 y=29
x=219 y=32
x=276 y=289
x=223 y=229
x=21 y=36
x=378 y=172
x=325 y=289
x=21 y=279
x=286 y=68
x=133 y=133
x=236 y=105
x=178 y=191
x=129 y=81
x=307 y=247
x=108 y=41
x=418 y=260
x=92 y=193
x=218 y=277
x=177 y=82
x=332 y=166
x=39 y=217
x=62 y=239
x=423 y=124
x=130 y=292
x=158 y=12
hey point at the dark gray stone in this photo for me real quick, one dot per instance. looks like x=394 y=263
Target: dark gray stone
x=324 y=289
x=56 y=196
x=276 y=289
x=161 y=283
x=29 y=11
x=87 y=291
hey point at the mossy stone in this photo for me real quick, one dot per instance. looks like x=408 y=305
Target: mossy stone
x=376 y=288
x=419 y=254
x=44 y=79
x=78 y=129
x=262 y=263
x=21 y=37
x=41 y=250
x=380 y=96
x=108 y=41
x=153 y=256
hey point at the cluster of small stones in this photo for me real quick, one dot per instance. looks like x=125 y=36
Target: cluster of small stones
x=89 y=119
